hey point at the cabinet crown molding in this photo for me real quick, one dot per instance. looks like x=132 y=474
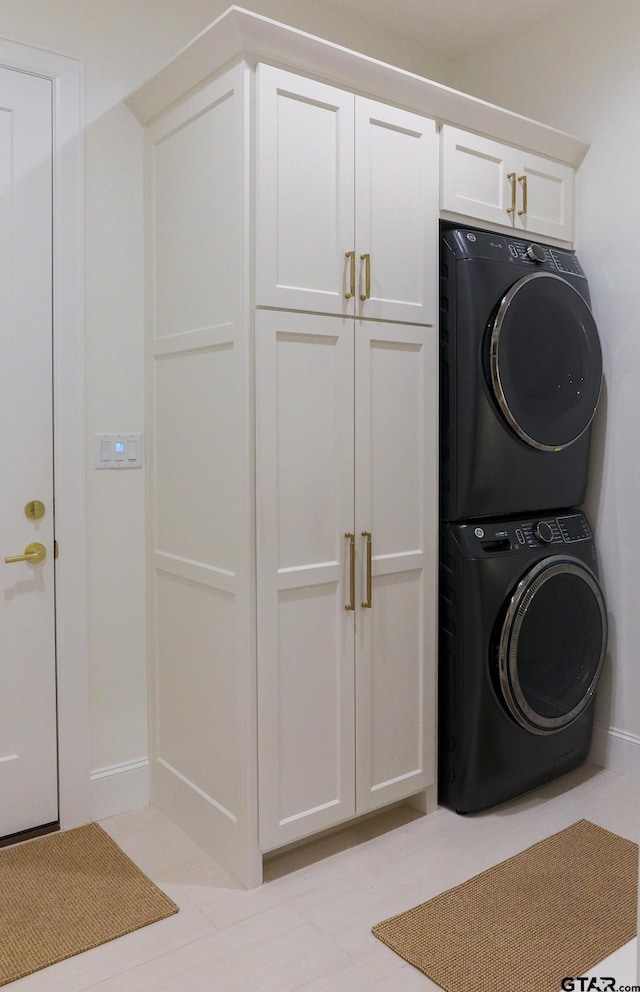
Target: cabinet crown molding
x=242 y=33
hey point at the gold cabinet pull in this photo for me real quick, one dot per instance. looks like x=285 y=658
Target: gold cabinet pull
x=511 y=176
x=367 y=277
x=351 y=255
x=33 y=553
x=523 y=180
x=351 y=538
x=367 y=535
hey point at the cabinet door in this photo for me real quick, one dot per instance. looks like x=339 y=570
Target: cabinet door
x=396 y=213
x=305 y=198
x=549 y=197
x=396 y=502
x=304 y=486
x=498 y=184
x=474 y=179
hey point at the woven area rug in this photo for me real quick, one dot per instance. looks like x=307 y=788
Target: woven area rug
x=555 y=910
x=67 y=892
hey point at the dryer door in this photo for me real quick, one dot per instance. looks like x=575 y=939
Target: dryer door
x=552 y=644
x=545 y=361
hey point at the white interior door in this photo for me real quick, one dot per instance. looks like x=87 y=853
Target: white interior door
x=28 y=752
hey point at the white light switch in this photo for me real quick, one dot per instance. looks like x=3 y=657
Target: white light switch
x=118 y=451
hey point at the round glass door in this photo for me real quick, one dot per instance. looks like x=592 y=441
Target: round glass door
x=552 y=644
x=545 y=361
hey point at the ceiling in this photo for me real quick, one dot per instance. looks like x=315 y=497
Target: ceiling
x=453 y=27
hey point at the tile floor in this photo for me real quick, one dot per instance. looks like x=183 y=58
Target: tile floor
x=308 y=927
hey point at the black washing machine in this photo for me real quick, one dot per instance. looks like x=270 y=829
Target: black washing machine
x=523 y=633
x=521 y=372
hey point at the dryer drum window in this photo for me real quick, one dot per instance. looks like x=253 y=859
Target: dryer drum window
x=545 y=361
x=552 y=644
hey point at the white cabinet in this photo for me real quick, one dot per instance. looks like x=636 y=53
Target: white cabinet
x=285 y=412
x=346 y=196
x=496 y=183
x=276 y=712
x=346 y=505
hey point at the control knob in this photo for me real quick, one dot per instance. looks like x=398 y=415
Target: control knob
x=543 y=531
x=536 y=253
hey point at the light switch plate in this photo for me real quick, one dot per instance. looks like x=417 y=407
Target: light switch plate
x=118 y=451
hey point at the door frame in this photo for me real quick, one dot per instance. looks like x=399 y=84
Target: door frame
x=65 y=74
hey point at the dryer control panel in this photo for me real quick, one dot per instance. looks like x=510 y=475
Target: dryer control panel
x=482 y=244
x=495 y=537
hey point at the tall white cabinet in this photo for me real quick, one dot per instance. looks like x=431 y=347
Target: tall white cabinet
x=292 y=430
x=345 y=453
x=293 y=422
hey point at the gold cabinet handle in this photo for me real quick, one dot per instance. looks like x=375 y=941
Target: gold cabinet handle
x=351 y=538
x=33 y=553
x=523 y=180
x=351 y=255
x=367 y=535
x=511 y=176
x=367 y=277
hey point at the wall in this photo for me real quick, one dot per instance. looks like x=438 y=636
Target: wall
x=123 y=43
x=581 y=74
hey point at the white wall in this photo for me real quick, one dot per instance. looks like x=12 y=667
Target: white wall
x=123 y=43
x=581 y=73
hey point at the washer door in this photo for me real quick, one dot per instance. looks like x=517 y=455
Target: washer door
x=545 y=361
x=552 y=644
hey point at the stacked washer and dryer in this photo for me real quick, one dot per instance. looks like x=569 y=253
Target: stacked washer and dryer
x=523 y=625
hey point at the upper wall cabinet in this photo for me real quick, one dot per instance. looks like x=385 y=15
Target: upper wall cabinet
x=498 y=184
x=346 y=202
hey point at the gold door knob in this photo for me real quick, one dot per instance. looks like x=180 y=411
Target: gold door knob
x=33 y=553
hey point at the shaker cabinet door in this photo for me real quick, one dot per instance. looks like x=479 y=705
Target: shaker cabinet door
x=396 y=505
x=304 y=509
x=474 y=179
x=396 y=206
x=549 y=197
x=304 y=193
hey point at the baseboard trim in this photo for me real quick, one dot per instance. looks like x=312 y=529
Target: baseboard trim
x=616 y=750
x=119 y=788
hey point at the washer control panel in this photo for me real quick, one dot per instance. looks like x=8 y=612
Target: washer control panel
x=495 y=537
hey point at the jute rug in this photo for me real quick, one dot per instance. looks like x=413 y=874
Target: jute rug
x=67 y=892
x=555 y=910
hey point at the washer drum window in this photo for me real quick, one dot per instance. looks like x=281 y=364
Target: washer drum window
x=552 y=644
x=545 y=361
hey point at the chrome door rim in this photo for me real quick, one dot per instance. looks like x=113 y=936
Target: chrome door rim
x=525 y=591
x=496 y=380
